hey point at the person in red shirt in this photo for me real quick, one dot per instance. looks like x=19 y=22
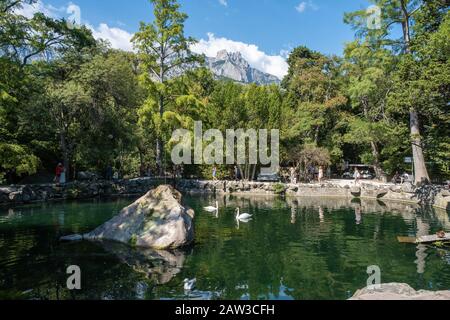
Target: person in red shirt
x=59 y=170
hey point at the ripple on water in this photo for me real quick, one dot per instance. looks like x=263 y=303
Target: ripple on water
x=308 y=251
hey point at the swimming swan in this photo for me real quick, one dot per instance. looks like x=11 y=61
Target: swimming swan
x=212 y=209
x=245 y=217
x=189 y=284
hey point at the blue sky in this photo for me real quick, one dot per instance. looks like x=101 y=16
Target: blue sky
x=264 y=30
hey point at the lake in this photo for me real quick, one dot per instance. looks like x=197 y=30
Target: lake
x=300 y=249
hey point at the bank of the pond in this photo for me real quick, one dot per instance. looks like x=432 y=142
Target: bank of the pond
x=427 y=195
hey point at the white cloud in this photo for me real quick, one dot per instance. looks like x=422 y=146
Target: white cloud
x=301 y=7
x=224 y=2
x=119 y=38
x=305 y=5
x=275 y=65
x=28 y=10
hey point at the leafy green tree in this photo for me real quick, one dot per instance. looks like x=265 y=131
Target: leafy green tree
x=164 y=51
x=369 y=73
x=404 y=96
x=314 y=98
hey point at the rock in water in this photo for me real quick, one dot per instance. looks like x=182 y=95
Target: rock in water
x=158 y=220
x=399 y=291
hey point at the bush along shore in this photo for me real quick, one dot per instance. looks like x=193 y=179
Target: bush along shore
x=426 y=195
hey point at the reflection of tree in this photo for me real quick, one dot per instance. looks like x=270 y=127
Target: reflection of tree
x=271 y=257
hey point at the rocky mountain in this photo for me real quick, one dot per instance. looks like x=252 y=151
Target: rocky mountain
x=231 y=65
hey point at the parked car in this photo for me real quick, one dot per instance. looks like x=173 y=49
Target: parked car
x=365 y=175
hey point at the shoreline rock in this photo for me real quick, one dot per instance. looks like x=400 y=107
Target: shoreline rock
x=399 y=291
x=157 y=220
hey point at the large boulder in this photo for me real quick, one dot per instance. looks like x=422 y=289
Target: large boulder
x=399 y=291
x=158 y=220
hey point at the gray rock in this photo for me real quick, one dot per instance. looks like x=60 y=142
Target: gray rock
x=399 y=291
x=87 y=176
x=157 y=220
x=408 y=187
x=355 y=191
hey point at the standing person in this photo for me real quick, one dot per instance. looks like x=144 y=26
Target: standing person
x=62 y=177
x=214 y=173
x=357 y=176
x=396 y=177
x=293 y=178
x=321 y=174
x=405 y=178
x=59 y=169
x=109 y=173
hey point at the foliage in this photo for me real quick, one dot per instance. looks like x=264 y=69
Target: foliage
x=66 y=97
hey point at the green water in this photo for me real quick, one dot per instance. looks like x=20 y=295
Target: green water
x=292 y=249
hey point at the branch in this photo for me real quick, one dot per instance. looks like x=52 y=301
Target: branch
x=13 y=4
x=46 y=45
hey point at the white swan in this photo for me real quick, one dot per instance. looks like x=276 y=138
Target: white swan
x=212 y=209
x=245 y=217
x=189 y=284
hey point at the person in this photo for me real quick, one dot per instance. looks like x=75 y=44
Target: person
x=321 y=174
x=236 y=173
x=214 y=173
x=293 y=176
x=396 y=177
x=357 y=176
x=58 y=171
x=109 y=173
x=405 y=177
x=62 y=177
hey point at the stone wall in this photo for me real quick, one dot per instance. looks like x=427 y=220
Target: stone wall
x=430 y=195
x=13 y=195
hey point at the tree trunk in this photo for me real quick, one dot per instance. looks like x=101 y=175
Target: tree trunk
x=421 y=173
x=159 y=152
x=375 y=152
x=254 y=172
x=159 y=142
x=377 y=166
x=420 y=169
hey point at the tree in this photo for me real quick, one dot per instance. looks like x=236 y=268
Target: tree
x=314 y=98
x=164 y=51
x=399 y=12
x=369 y=72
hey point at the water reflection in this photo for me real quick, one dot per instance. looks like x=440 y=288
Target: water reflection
x=294 y=248
x=161 y=266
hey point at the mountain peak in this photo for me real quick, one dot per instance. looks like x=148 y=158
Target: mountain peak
x=232 y=65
